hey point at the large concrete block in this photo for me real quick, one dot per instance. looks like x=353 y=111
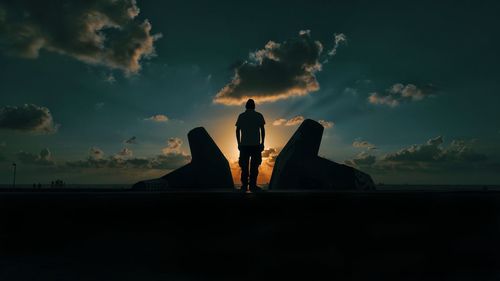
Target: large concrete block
x=209 y=169
x=298 y=165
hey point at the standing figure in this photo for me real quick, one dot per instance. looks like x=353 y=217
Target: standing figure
x=250 y=135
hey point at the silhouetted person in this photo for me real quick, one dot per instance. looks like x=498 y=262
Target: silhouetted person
x=250 y=134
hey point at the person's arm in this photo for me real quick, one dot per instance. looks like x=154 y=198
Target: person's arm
x=262 y=135
x=262 y=131
x=238 y=136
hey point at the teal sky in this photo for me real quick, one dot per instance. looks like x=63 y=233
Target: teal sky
x=411 y=94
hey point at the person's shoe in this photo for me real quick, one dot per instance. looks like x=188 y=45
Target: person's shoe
x=244 y=188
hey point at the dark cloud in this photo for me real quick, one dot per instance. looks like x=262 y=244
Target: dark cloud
x=432 y=155
x=132 y=140
x=269 y=156
x=362 y=160
x=98 y=32
x=427 y=152
x=167 y=162
x=27 y=118
x=171 y=158
x=399 y=93
x=44 y=158
x=279 y=71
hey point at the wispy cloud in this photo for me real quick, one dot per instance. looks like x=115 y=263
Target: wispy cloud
x=359 y=143
x=326 y=124
x=158 y=118
x=399 y=93
x=297 y=120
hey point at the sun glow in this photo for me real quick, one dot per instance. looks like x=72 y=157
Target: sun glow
x=225 y=137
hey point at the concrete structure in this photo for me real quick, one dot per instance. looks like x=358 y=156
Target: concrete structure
x=298 y=165
x=209 y=169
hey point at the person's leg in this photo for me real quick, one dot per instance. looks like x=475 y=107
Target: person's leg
x=243 y=161
x=256 y=155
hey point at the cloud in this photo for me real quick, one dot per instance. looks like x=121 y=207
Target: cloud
x=326 y=124
x=363 y=144
x=44 y=158
x=279 y=122
x=376 y=98
x=278 y=71
x=99 y=32
x=96 y=153
x=362 y=160
x=27 y=118
x=432 y=151
x=297 y=120
x=173 y=146
x=124 y=160
x=338 y=39
x=132 y=140
x=431 y=155
x=399 y=93
x=428 y=152
x=125 y=152
x=269 y=156
x=110 y=78
x=99 y=106
x=265 y=170
x=158 y=118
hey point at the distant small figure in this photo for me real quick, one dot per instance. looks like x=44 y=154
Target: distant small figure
x=34 y=185
x=52 y=184
x=39 y=185
x=250 y=135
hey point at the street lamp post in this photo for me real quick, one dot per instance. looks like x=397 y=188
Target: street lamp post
x=14 y=180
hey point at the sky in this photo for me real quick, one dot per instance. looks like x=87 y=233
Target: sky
x=105 y=91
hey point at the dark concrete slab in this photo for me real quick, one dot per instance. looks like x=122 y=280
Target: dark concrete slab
x=208 y=168
x=298 y=165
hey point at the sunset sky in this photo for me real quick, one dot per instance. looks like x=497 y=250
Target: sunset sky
x=105 y=91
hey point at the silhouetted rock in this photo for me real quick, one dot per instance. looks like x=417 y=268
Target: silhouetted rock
x=208 y=168
x=298 y=165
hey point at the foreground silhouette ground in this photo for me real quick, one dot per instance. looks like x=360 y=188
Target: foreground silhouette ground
x=231 y=236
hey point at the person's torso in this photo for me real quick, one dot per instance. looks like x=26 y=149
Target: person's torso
x=250 y=122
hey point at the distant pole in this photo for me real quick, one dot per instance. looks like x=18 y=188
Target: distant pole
x=14 y=180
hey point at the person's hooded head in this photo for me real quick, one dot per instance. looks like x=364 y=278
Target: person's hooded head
x=250 y=104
